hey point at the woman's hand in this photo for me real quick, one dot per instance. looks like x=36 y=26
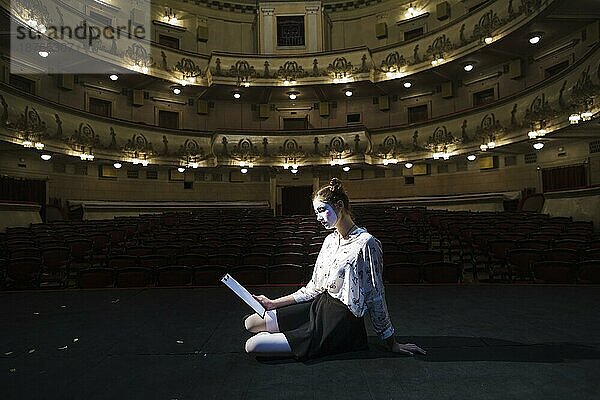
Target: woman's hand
x=408 y=349
x=267 y=303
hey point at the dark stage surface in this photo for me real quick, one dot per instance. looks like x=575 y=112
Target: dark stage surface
x=483 y=342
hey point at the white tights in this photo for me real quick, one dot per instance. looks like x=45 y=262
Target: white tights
x=271 y=341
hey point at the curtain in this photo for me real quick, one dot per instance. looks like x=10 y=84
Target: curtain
x=24 y=190
x=563 y=178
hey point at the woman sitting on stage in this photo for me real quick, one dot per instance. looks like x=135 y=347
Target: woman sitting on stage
x=326 y=316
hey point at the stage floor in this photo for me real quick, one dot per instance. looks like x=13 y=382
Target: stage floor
x=483 y=342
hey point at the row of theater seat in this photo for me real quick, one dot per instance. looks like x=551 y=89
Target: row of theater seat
x=469 y=239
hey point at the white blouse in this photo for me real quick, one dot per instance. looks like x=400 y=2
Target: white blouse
x=350 y=271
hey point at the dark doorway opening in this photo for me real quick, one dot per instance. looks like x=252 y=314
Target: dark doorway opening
x=296 y=200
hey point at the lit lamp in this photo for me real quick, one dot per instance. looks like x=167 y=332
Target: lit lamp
x=574 y=119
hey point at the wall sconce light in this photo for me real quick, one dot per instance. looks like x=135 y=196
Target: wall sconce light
x=411 y=12
x=170 y=17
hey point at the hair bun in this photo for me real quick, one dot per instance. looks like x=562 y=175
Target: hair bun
x=335 y=184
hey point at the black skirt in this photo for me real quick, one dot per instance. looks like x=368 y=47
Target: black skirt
x=320 y=327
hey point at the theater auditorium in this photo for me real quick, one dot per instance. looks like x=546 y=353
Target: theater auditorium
x=147 y=149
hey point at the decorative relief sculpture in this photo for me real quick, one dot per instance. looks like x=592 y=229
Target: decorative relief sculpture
x=440 y=46
x=487 y=24
x=441 y=141
x=59 y=131
x=539 y=112
x=138 y=147
x=290 y=71
x=245 y=151
x=84 y=139
x=190 y=152
x=188 y=69
x=490 y=129
x=291 y=152
x=393 y=62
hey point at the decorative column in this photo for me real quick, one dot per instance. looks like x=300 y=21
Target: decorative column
x=316 y=183
x=267 y=30
x=273 y=190
x=313 y=37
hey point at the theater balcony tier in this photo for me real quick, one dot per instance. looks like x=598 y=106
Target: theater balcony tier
x=458 y=38
x=541 y=112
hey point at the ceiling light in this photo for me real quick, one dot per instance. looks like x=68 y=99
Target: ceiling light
x=176 y=89
x=535 y=39
x=117 y=165
x=538 y=145
x=38 y=145
x=181 y=170
x=483 y=147
x=488 y=40
x=491 y=144
x=348 y=93
x=244 y=170
x=471 y=157
x=286 y=82
x=43 y=54
x=346 y=168
x=46 y=157
x=113 y=77
x=293 y=95
x=407 y=84
x=236 y=95
x=294 y=171
x=408 y=165
x=468 y=67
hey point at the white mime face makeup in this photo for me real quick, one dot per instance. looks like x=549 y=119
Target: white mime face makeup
x=326 y=215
